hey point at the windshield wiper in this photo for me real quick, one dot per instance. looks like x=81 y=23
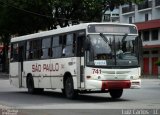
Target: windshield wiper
x=104 y=37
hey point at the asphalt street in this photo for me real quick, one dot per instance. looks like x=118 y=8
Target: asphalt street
x=133 y=101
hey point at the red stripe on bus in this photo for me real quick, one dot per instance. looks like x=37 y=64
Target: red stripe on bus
x=116 y=84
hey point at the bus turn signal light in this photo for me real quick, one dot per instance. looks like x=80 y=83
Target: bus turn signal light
x=88 y=77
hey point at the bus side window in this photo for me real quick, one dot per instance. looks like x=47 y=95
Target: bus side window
x=11 y=55
x=33 y=49
x=64 y=49
x=29 y=50
x=14 y=52
x=56 y=46
x=80 y=44
x=69 y=45
x=45 y=51
x=37 y=48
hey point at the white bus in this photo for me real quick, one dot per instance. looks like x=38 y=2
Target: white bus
x=90 y=57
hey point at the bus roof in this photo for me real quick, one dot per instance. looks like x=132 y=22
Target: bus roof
x=61 y=30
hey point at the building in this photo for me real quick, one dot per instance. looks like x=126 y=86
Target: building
x=147 y=18
x=111 y=16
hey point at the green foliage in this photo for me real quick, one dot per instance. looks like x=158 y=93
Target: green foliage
x=21 y=17
x=17 y=21
x=158 y=63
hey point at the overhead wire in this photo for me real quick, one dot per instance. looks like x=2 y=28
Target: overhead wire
x=8 y=5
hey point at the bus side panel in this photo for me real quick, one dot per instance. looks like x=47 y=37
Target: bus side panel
x=43 y=73
x=61 y=66
x=24 y=81
x=15 y=74
x=40 y=71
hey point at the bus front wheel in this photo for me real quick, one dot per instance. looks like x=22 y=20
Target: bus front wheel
x=116 y=93
x=69 y=88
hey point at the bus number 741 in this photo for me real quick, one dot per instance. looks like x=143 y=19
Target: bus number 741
x=96 y=71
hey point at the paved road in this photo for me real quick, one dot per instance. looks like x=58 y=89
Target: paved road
x=148 y=97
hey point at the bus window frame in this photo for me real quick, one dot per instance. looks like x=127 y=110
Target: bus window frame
x=49 y=48
x=75 y=37
x=12 y=58
x=18 y=59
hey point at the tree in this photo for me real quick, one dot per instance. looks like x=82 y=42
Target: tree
x=4 y=34
x=29 y=16
x=76 y=11
x=21 y=17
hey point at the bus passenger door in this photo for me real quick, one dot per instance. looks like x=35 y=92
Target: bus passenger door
x=21 y=59
x=16 y=63
x=80 y=54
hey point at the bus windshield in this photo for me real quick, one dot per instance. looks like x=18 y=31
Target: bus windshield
x=112 y=50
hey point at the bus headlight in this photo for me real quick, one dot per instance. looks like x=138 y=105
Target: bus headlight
x=99 y=77
x=131 y=77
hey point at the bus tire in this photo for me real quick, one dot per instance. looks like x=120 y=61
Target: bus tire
x=63 y=91
x=38 y=90
x=116 y=93
x=69 y=91
x=30 y=85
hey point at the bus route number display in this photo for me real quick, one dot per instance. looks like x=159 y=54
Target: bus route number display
x=112 y=29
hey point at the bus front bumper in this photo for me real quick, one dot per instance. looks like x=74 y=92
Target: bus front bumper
x=114 y=84
x=136 y=84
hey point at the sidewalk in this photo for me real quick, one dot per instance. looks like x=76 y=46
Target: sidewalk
x=4 y=75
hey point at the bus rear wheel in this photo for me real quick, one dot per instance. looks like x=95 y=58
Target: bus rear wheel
x=116 y=93
x=30 y=86
x=69 y=88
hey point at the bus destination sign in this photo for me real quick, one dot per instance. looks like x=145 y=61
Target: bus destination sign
x=112 y=29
